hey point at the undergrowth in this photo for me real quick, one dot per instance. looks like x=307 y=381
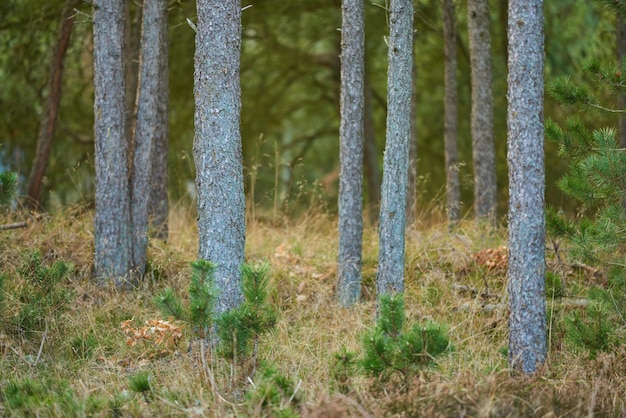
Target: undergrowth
x=70 y=348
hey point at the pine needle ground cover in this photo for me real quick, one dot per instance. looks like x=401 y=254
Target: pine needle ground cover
x=70 y=348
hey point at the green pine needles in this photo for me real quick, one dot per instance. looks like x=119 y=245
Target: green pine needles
x=8 y=188
x=597 y=180
x=238 y=330
x=390 y=348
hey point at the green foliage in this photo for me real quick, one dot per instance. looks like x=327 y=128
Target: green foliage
x=202 y=295
x=83 y=347
x=554 y=285
x=343 y=369
x=274 y=394
x=8 y=187
x=391 y=349
x=37 y=296
x=239 y=329
x=592 y=329
x=30 y=397
x=597 y=179
x=141 y=383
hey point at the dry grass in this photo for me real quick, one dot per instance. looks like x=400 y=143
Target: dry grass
x=443 y=282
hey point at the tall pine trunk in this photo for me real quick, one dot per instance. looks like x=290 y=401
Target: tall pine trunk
x=390 y=277
x=351 y=153
x=370 y=153
x=485 y=188
x=621 y=98
x=526 y=286
x=112 y=217
x=49 y=118
x=450 y=121
x=217 y=145
x=412 y=174
x=145 y=132
x=158 y=206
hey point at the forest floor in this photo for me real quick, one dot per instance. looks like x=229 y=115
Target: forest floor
x=86 y=344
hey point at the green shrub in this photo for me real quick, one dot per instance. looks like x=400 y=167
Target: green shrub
x=389 y=348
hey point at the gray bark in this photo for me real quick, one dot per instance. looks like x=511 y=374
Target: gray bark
x=621 y=98
x=145 y=132
x=217 y=145
x=351 y=153
x=390 y=277
x=526 y=286
x=112 y=216
x=485 y=188
x=450 y=118
x=412 y=175
x=158 y=206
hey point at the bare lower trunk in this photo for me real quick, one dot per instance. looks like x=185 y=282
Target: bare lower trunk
x=112 y=218
x=412 y=176
x=49 y=118
x=453 y=187
x=145 y=132
x=390 y=277
x=370 y=154
x=621 y=101
x=351 y=153
x=482 y=111
x=217 y=146
x=526 y=285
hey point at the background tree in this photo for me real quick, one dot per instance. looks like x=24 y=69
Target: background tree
x=112 y=218
x=153 y=37
x=351 y=152
x=217 y=146
x=620 y=46
x=526 y=286
x=483 y=153
x=158 y=206
x=390 y=277
x=451 y=118
x=49 y=117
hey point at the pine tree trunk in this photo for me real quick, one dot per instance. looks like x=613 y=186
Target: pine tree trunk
x=217 y=145
x=49 y=118
x=485 y=188
x=621 y=98
x=450 y=124
x=351 y=153
x=158 y=207
x=146 y=122
x=412 y=175
x=526 y=287
x=370 y=154
x=112 y=217
x=390 y=277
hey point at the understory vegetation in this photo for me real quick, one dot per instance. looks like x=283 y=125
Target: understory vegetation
x=71 y=348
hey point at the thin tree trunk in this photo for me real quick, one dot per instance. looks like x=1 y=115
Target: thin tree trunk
x=49 y=118
x=370 y=154
x=526 y=286
x=351 y=153
x=453 y=186
x=112 y=217
x=621 y=52
x=217 y=146
x=483 y=153
x=412 y=176
x=145 y=131
x=158 y=207
x=390 y=277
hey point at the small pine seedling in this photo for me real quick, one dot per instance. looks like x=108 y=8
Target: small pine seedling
x=390 y=349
